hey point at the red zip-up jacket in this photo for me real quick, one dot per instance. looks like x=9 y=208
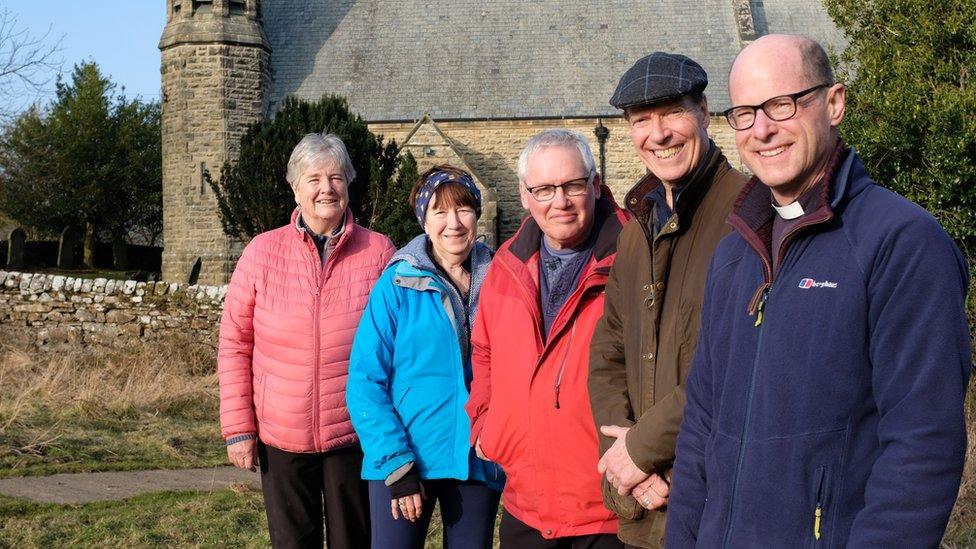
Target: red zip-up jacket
x=529 y=401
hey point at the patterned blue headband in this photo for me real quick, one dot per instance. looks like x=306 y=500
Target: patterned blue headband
x=436 y=179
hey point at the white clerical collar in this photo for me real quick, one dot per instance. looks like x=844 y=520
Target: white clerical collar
x=792 y=210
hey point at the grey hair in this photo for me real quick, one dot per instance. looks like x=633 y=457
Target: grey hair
x=815 y=61
x=556 y=137
x=319 y=146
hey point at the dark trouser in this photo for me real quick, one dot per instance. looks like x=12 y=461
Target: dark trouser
x=294 y=486
x=515 y=534
x=468 y=511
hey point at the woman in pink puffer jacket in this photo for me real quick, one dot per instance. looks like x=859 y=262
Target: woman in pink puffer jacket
x=289 y=318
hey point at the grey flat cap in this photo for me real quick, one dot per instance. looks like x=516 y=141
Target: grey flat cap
x=658 y=77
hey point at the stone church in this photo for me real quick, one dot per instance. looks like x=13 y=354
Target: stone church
x=460 y=81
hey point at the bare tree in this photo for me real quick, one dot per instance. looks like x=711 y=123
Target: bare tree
x=27 y=63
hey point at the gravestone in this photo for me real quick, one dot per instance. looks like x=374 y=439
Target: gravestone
x=66 y=248
x=194 y=271
x=120 y=254
x=15 y=248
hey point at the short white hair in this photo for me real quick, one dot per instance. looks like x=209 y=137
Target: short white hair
x=556 y=137
x=315 y=147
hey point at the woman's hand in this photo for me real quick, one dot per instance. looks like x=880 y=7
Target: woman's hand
x=244 y=454
x=411 y=507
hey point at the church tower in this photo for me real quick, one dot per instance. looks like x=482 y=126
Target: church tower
x=215 y=77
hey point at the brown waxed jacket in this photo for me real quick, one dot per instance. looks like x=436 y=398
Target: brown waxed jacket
x=643 y=346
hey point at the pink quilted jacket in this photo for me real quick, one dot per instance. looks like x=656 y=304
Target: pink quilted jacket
x=286 y=332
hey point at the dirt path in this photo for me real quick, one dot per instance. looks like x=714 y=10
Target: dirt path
x=88 y=487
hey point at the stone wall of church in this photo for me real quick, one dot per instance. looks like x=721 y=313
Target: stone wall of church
x=492 y=148
x=210 y=94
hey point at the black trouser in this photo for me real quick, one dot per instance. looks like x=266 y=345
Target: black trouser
x=294 y=486
x=516 y=534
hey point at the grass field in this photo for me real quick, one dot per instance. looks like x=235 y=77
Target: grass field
x=156 y=407
x=226 y=518
x=167 y=519
x=139 y=408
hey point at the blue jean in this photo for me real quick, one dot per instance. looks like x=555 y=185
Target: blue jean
x=468 y=510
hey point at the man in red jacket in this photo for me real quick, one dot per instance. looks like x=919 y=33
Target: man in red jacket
x=540 y=302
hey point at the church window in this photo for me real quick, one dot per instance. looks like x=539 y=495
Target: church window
x=202 y=6
x=236 y=7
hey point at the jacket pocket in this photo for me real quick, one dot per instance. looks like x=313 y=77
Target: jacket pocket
x=821 y=486
x=625 y=507
x=486 y=439
x=260 y=382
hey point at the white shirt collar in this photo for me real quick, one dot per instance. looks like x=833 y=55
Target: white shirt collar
x=792 y=210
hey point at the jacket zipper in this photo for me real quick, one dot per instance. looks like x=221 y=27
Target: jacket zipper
x=322 y=274
x=562 y=364
x=757 y=306
x=316 y=346
x=745 y=424
x=818 y=512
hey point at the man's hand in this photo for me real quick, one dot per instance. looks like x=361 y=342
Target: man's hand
x=616 y=463
x=477 y=450
x=653 y=493
x=244 y=454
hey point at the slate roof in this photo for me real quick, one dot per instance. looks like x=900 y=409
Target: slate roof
x=476 y=59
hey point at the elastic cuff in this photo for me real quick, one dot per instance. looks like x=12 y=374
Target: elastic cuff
x=399 y=473
x=239 y=438
x=407 y=485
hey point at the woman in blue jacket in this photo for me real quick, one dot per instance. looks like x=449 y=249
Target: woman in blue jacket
x=410 y=372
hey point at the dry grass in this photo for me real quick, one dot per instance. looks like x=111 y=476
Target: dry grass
x=961 y=531
x=147 y=406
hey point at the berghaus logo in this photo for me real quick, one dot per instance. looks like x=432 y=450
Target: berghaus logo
x=808 y=283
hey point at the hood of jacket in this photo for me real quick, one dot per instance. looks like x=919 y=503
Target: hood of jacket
x=417 y=270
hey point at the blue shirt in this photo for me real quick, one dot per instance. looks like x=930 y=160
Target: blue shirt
x=559 y=274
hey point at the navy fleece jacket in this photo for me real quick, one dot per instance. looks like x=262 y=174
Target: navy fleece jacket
x=838 y=420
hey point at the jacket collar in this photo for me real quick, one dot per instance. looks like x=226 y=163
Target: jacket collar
x=753 y=210
x=752 y=214
x=348 y=226
x=520 y=256
x=692 y=192
x=414 y=261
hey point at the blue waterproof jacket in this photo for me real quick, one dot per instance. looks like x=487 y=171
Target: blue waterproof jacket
x=832 y=416
x=410 y=371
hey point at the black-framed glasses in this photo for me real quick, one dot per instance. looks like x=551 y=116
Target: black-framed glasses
x=573 y=187
x=779 y=108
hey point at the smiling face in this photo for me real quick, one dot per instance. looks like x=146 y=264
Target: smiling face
x=322 y=193
x=670 y=137
x=788 y=156
x=565 y=220
x=451 y=226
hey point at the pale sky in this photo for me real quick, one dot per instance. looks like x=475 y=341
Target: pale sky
x=120 y=35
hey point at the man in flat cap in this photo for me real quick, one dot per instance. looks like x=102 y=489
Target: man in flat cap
x=643 y=346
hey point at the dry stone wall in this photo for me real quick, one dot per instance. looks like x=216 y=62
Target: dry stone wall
x=58 y=310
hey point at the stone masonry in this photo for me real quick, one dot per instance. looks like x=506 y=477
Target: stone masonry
x=59 y=311
x=215 y=75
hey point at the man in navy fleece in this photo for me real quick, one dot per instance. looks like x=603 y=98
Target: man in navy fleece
x=825 y=401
